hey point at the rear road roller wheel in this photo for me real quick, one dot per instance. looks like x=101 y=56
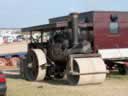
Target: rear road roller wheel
x=33 y=68
x=22 y=68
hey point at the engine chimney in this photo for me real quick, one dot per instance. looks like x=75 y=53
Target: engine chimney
x=74 y=21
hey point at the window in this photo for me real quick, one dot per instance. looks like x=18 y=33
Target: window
x=87 y=20
x=114 y=25
x=46 y=36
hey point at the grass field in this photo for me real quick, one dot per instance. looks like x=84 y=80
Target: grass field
x=115 y=85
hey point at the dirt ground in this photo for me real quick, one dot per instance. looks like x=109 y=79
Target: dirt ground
x=115 y=85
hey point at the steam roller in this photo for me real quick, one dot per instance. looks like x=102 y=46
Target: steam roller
x=67 y=54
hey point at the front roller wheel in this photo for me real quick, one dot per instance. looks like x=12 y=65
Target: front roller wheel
x=34 y=69
x=87 y=71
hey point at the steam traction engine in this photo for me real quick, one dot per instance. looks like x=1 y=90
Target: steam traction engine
x=67 y=52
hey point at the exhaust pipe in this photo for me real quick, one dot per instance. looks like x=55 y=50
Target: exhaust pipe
x=74 y=21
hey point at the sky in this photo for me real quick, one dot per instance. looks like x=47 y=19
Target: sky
x=24 y=13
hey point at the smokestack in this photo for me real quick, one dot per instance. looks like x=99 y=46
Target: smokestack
x=74 y=21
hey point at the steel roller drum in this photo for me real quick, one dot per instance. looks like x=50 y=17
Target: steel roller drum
x=91 y=71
